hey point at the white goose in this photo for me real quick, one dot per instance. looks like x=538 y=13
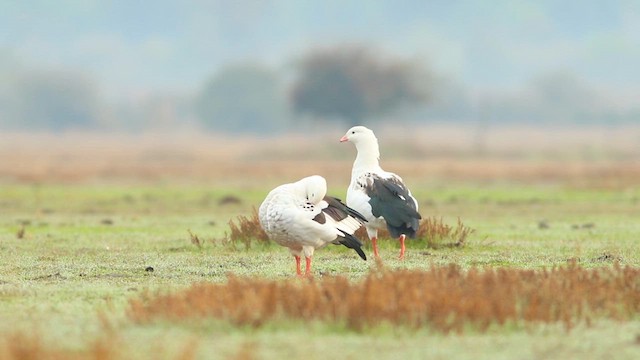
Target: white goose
x=299 y=216
x=381 y=196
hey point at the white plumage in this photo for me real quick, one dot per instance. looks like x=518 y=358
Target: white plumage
x=381 y=196
x=302 y=218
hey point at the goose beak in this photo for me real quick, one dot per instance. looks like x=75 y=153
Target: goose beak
x=344 y=138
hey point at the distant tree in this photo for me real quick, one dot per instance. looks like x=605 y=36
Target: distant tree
x=562 y=96
x=56 y=100
x=354 y=83
x=243 y=98
x=9 y=73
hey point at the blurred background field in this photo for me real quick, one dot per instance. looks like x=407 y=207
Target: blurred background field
x=592 y=155
x=130 y=135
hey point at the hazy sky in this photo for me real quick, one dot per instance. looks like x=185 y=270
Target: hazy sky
x=137 y=47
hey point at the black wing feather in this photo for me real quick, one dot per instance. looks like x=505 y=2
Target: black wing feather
x=351 y=242
x=390 y=199
x=339 y=211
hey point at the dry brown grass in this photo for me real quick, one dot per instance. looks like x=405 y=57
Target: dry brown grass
x=434 y=232
x=443 y=298
x=20 y=346
x=21 y=231
x=437 y=234
x=243 y=231
x=246 y=231
x=195 y=239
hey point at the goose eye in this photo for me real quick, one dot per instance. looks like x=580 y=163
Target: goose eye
x=353 y=132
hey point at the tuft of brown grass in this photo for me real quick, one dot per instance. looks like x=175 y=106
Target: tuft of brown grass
x=442 y=298
x=20 y=233
x=20 y=346
x=195 y=240
x=246 y=352
x=434 y=232
x=109 y=345
x=437 y=234
x=246 y=230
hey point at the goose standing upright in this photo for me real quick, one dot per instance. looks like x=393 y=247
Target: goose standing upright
x=301 y=217
x=381 y=196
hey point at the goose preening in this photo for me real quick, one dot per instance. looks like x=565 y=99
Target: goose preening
x=381 y=196
x=302 y=218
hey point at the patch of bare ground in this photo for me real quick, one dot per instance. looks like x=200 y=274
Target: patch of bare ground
x=443 y=298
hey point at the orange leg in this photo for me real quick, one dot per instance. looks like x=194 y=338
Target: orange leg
x=402 y=248
x=374 y=243
x=298 y=272
x=307 y=269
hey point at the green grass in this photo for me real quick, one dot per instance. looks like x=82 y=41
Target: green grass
x=86 y=248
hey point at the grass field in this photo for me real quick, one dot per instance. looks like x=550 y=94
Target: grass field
x=87 y=242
